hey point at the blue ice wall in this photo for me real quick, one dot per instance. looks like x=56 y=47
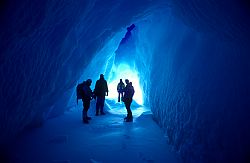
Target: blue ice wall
x=196 y=84
x=199 y=83
x=192 y=57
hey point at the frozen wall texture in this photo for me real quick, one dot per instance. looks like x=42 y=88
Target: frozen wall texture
x=200 y=81
x=193 y=57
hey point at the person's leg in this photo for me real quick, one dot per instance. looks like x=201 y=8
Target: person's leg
x=119 y=96
x=88 y=118
x=83 y=112
x=122 y=96
x=102 y=105
x=129 y=117
x=127 y=108
x=97 y=105
x=86 y=105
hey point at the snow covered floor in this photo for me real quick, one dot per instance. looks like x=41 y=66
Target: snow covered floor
x=106 y=139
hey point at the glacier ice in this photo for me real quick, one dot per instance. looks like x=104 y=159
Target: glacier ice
x=191 y=57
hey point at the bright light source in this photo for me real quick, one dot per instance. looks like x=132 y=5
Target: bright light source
x=124 y=71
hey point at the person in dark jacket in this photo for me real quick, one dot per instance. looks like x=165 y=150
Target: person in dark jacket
x=86 y=100
x=120 y=88
x=127 y=99
x=101 y=90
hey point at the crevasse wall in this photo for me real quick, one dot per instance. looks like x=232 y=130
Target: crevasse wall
x=199 y=87
x=192 y=56
x=197 y=57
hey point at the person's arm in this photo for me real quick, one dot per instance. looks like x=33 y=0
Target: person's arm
x=133 y=91
x=96 y=89
x=93 y=95
x=107 y=90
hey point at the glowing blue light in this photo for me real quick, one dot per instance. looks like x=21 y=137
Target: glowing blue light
x=124 y=71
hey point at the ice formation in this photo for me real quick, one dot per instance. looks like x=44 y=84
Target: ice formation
x=191 y=59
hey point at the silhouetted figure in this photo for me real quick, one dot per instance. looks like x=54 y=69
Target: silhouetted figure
x=101 y=90
x=86 y=100
x=120 y=88
x=127 y=99
x=79 y=91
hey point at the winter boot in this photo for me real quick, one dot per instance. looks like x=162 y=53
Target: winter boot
x=84 y=117
x=85 y=121
x=128 y=119
x=125 y=119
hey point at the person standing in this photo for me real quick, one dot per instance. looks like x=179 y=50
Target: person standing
x=127 y=99
x=120 y=88
x=101 y=90
x=86 y=100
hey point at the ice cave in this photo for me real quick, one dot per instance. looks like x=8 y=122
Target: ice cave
x=189 y=62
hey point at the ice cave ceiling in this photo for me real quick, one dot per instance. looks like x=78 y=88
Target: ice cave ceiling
x=192 y=58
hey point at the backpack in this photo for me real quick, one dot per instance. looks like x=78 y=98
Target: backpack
x=131 y=91
x=120 y=87
x=79 y=92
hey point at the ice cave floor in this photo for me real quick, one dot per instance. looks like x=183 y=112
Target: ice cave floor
x=107 y=139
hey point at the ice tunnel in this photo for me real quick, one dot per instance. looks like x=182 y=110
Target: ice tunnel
x=188 y=60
